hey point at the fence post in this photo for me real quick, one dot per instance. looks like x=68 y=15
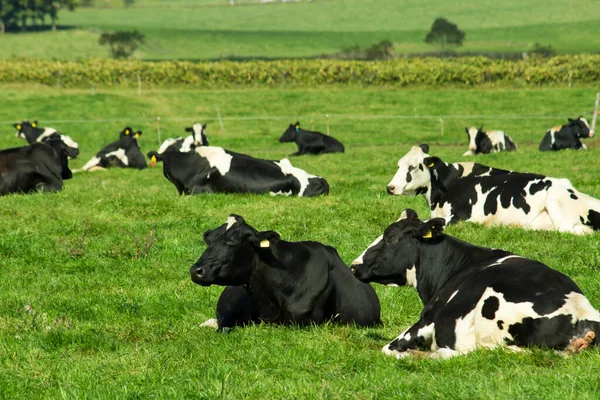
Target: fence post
x=327 y=122
x=93 y=89
x=139 y=84
x=442 y=125
x=595 y=117
x=158 y=130
x=570 y=76
x=220 y=119
x=59 y=73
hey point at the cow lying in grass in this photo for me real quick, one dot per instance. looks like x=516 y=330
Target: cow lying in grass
x=271 y=280
x=310 y=142
x=567 y=136
x=196 y=138
x=481 y=142
x=30 y=132
x=475 y=297
x=38 y=167
x=124 y=153
x=473 y=192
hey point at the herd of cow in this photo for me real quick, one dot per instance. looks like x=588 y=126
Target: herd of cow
x=473 y=297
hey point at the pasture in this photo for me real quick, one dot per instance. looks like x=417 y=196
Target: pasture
x=213 y=29
x=96 y=299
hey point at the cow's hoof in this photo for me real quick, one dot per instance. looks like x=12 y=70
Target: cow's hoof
x=580 y=343
x=394 y=353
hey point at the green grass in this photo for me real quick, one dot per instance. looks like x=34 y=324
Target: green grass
x=95 y=295
x=213 y=29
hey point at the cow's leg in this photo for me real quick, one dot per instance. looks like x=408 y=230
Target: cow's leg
x=94 y=162
x=418 y=336
x=235 y=308
x=566 y=208
x=468 y=153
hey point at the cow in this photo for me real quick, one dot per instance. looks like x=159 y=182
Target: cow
x=30 y=132
x=37 y=167
x=475 y=297
x=270 y=280
x=567 y=136
x=124 y=153
x=310 y=142
x=474 y=192
x=481 y=142
x=213 y=169
x=196 y=138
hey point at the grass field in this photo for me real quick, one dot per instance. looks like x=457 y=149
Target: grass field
x=96 y=299
x=214 y=29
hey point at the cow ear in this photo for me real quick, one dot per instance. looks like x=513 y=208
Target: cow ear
x=138 y=134
x=189 y=129
x=204 y=126
x=571 y=120
x=209 y=236
x=424 y=147
x=467 y=130
x=432 y=162
x=409 y=213
x=34 y=124
x=432 y=228
x=265 y=239
x=127 y=131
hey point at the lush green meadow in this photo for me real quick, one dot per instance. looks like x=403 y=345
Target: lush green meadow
x=95 y=295
x=214 y=29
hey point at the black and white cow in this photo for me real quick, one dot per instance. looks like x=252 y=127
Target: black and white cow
x=124 y=153
x=271 y=280
x=310 y=142
x=481 y=142
x=567 y=136
x=475 y=297
x=30 y=132
x=474 y=192
x=37 y=167
x=197 y=138
x=214 y=169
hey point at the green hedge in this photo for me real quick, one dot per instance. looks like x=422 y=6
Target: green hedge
x=470 y=71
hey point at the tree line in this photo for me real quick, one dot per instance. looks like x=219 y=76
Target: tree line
x=17 y=14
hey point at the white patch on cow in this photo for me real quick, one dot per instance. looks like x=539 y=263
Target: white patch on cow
x=452 y=296
x=47 y=132
x=585 y=122
x=404 y=215
x=472 y=135
x=210 y=323
x=445 y=353
x=186 y=146
x=388 y=352
x=197 y=127
x=419 y=176
x=578 y=307
x=501 y=260
x=467 y=168
x=120 y=154
x=553 y=132
x=165 y=145
x=411 y=277
x=498 y=140
x=230 y=221
x=216 y=157
x=392 y=285
x=465 y=332
x=69 y=142
x=359 y=260
x=281 y=193
x=427 y=331
x=302 y=176
x=92 y=163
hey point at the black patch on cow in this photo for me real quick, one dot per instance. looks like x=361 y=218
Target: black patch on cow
x=539 y=186
x=552 y=332
x=490 y=306
x=500 y=324
x=593 y=219
x=421 y=191
x=421 y=167
x=408 y=177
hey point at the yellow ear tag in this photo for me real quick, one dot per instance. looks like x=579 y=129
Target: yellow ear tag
x=137 y=135
x=431 y=165
x=265 y=243
x=34 y=125
x=127 y=131
x=153 y=159
x=19 y=127
x=427 y=235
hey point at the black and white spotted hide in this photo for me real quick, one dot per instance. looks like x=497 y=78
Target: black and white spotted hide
x=124 y=153
x=181 y=144
x=481 y=142
x=567 y=136
x=30 y=132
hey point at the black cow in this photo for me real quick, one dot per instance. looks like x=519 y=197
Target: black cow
x=271 y=280
x=474 y=192
x=197 y=138
x=213 y=169
x=310 y=142
x=30 y=132
x=475 y=297
x=37 y=167
x=124 y=153
x=567 y=136
x=481 y=142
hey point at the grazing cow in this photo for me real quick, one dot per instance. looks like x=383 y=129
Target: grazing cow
x=197 y=138
x=473 y=192
x=567 y=136
x=475 y=297
x=30 y=132
x=271 y=280
x=37 y=167
x=124 y=153
x=213 y=169
x=481 y=142
x=310 y=142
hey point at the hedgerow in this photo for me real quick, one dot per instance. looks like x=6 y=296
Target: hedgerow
x=468 y=71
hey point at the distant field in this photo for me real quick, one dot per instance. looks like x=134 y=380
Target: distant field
x=96 y=299
x=213 y=29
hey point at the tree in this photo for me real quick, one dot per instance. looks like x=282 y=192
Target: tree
x=381 y=51
x=122 y=44
x=445 y=33
x=51 y=7
x=7 y=10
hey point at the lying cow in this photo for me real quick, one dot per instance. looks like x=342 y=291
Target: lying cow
x=481 y=142
x=124 y=153
x=213 y=169
x=310 y=142
x=30 y=132
x=567 y=136
x=473 y=192
x=271 y=280
x=37 y=167
x=475 y=297
x=196 y=138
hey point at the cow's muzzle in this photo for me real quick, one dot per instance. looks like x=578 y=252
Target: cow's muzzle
x=200 y=275
x=390 y=189
x=591 y=133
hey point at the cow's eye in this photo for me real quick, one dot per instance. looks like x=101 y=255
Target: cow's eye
x=231 y=242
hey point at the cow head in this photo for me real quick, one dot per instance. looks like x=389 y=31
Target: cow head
x=582 y=127
x=63 y=151
x=290 y=133
x=412 y=177
x=126 y=132
x=472 y=134
x=229 y=257
x=199 y=134
x=392 y=258
x=24 y=130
